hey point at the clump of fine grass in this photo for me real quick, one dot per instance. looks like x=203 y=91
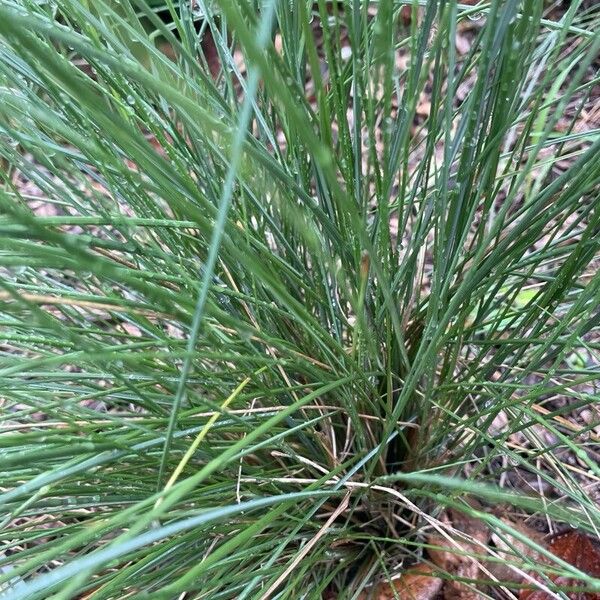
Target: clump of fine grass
x=258 y=329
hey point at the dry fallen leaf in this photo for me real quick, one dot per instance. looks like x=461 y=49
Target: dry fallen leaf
x=463 y=44
x=578 y=550
x=423 y=107
x=452 y=556
x=510 y=549
x=417 y=583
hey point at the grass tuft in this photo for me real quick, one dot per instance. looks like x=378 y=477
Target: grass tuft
x=282 y=282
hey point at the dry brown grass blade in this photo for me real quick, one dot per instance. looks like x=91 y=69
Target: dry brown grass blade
x=47 y=299
x=307 y=548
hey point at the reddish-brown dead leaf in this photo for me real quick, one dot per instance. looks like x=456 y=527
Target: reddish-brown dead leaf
x=417 y=583
x=406 y=15
x=578 y=550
